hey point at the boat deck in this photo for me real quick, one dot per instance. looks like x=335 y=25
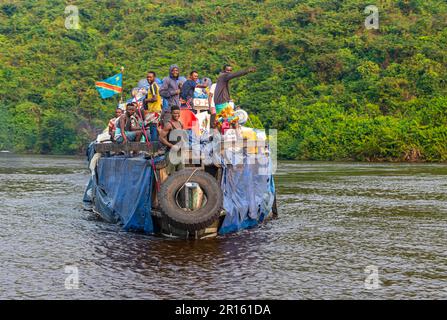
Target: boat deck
x=153 y=149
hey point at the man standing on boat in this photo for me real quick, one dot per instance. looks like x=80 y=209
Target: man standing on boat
x=222 y=96
x=152 y=106
x=152 y=102
x=187 y=91
x=172 y=136
x=170 y=91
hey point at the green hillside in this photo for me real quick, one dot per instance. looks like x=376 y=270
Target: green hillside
x=334 y=90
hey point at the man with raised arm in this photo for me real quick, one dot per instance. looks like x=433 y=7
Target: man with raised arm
x=221 y=95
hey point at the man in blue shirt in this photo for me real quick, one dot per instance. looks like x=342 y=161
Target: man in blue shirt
x=188 y=88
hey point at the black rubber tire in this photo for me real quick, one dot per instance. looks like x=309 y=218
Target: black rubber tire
x=198 y=219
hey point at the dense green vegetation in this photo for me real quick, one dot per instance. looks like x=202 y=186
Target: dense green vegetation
x=333 y=89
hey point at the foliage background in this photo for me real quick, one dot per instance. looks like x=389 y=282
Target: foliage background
x=335 y=90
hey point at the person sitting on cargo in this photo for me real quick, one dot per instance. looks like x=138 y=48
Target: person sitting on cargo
x=170 y=91
x=112 y=127
x=222 y=92
x=187 y=91
x=127 y=128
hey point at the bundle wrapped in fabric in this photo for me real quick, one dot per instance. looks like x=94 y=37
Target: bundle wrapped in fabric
x=143 y=83
x=139 y=94
x=200 y=93
x=250 y=135
x=242 y=116
x=187 y=118
x=151 y=118
x=225 y=117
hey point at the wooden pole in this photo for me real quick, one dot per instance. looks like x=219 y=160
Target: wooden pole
x=122 y=85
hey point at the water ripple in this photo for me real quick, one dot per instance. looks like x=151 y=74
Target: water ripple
x=335 y=220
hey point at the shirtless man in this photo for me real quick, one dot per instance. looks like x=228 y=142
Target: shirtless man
x=169 y=135
x=174 y=124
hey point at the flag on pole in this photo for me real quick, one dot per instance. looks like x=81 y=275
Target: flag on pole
x=110 y=86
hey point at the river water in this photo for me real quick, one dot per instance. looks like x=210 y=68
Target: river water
x=345 y=231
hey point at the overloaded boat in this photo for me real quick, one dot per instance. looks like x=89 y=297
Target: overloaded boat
x=225 y=185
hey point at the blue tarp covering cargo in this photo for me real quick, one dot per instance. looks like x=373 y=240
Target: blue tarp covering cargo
x=121 y=187
x=248 y=197
x=121 y=192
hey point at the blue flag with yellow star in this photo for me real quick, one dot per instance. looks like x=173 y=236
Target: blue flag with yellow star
x=110 y=86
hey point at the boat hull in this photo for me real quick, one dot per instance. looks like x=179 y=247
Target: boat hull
x=125 y=190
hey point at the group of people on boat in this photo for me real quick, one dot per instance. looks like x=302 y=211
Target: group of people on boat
x=158 y=111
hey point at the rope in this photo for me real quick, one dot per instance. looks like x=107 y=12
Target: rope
x=157 y=182
x=188 y=179
x=188 y=103
x=178 y=191
x=251 y=123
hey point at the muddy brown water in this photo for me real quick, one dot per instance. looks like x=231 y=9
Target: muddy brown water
x=339 y=223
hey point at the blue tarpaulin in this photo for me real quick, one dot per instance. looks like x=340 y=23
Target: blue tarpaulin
x=248 y=188
x=121 y=192
x=248 y=196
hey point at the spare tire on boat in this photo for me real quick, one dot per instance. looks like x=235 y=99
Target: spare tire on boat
x=190 y=220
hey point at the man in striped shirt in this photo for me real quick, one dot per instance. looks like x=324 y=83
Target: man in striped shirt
x=152 y=103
